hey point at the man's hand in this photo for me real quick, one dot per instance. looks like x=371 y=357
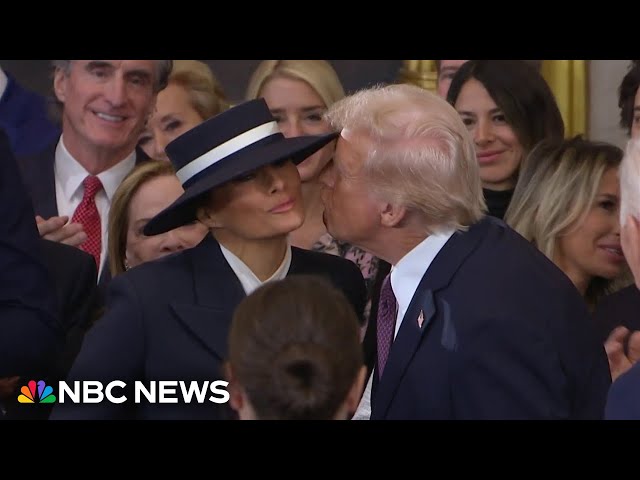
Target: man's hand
x=58 y=230
x=619 y=361
x=8 y=386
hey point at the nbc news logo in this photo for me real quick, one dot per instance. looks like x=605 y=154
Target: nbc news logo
x=38 y=392
x=91 y=391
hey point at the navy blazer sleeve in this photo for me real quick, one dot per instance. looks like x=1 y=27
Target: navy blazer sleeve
x=25 y=119
x=113 y=349
x=514 y=374
x=623 y=402
x=28 y=329
x=75 y=277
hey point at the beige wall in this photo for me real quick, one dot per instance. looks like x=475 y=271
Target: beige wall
x=604 y=115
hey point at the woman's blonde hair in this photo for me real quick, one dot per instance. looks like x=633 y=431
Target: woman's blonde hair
x=558 y=184
x=319 y=74
x=119 y=210
x=205 y=92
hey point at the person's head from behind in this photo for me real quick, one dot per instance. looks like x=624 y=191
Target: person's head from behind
x=508 y=108
x=567 y=204
x=630 y=206
x=192 y=95
x=105 y=103
x=148 y=189
x=446 y=70
x=239 y=175
x=404 y=162
x=298 y=93
x=295 y=353
x=629 y=100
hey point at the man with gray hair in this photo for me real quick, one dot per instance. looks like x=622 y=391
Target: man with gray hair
x=104 y=107
x=624 y=397
x=473 y=321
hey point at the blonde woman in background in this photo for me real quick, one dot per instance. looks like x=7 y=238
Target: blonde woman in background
x=193 y=95
x=298 y=93
x=146 y=191
x=567 y=203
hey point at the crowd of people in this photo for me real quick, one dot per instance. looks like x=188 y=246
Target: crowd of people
x=388 y=253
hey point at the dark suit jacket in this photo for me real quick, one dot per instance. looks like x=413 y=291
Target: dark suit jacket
x=169 y=320
x=38 y=173
x=73 y=275
x=505 y=335
x=623 y=402
x=619 y=308
x=28 y=333
x=25 y=119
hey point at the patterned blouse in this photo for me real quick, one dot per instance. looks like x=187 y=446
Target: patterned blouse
x=367 y=263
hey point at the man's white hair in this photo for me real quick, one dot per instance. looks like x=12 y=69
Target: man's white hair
x=630 y=182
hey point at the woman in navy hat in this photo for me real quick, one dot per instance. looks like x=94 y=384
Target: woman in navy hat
x=160 y=346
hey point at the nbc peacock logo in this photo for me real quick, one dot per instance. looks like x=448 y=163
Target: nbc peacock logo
x=38 y=392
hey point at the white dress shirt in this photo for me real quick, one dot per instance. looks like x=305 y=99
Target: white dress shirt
x=405 y=278
x=247 y=278
x=69 y=175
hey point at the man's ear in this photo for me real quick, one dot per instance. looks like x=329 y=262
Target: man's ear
x=60 y=85
x=391 y=215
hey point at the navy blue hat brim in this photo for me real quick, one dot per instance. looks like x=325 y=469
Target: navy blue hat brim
x=183 y=210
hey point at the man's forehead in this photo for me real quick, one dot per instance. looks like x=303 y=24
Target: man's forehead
x=350 y=151
x=147 y=65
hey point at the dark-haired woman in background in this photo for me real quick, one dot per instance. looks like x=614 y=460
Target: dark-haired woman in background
x=508 y=108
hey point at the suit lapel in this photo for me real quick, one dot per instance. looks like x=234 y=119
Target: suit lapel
x=299 y=264
x=410 y=334
x=217 y=292
x=42 y=185
x=38 y=176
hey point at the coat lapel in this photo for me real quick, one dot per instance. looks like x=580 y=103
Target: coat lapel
x=42 y=186
x=410 y=335
x=38 y=176
x=217 y=293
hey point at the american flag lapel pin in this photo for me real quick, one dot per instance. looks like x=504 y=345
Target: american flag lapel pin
x=420 y=319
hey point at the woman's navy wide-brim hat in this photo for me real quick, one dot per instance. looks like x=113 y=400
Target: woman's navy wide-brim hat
x=232 y=143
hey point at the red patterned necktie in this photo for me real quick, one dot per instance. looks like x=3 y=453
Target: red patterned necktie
x=387 y=312
x=87 y=215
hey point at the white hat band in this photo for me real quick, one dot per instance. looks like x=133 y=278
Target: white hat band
x=227 y=148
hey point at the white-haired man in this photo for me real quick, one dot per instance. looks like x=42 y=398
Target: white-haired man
x=624 y=396
x=473 y=322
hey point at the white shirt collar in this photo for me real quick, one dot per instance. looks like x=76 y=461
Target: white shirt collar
x=3 y=82
x=247 y=278
x=72 y=174
x=408 y=272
